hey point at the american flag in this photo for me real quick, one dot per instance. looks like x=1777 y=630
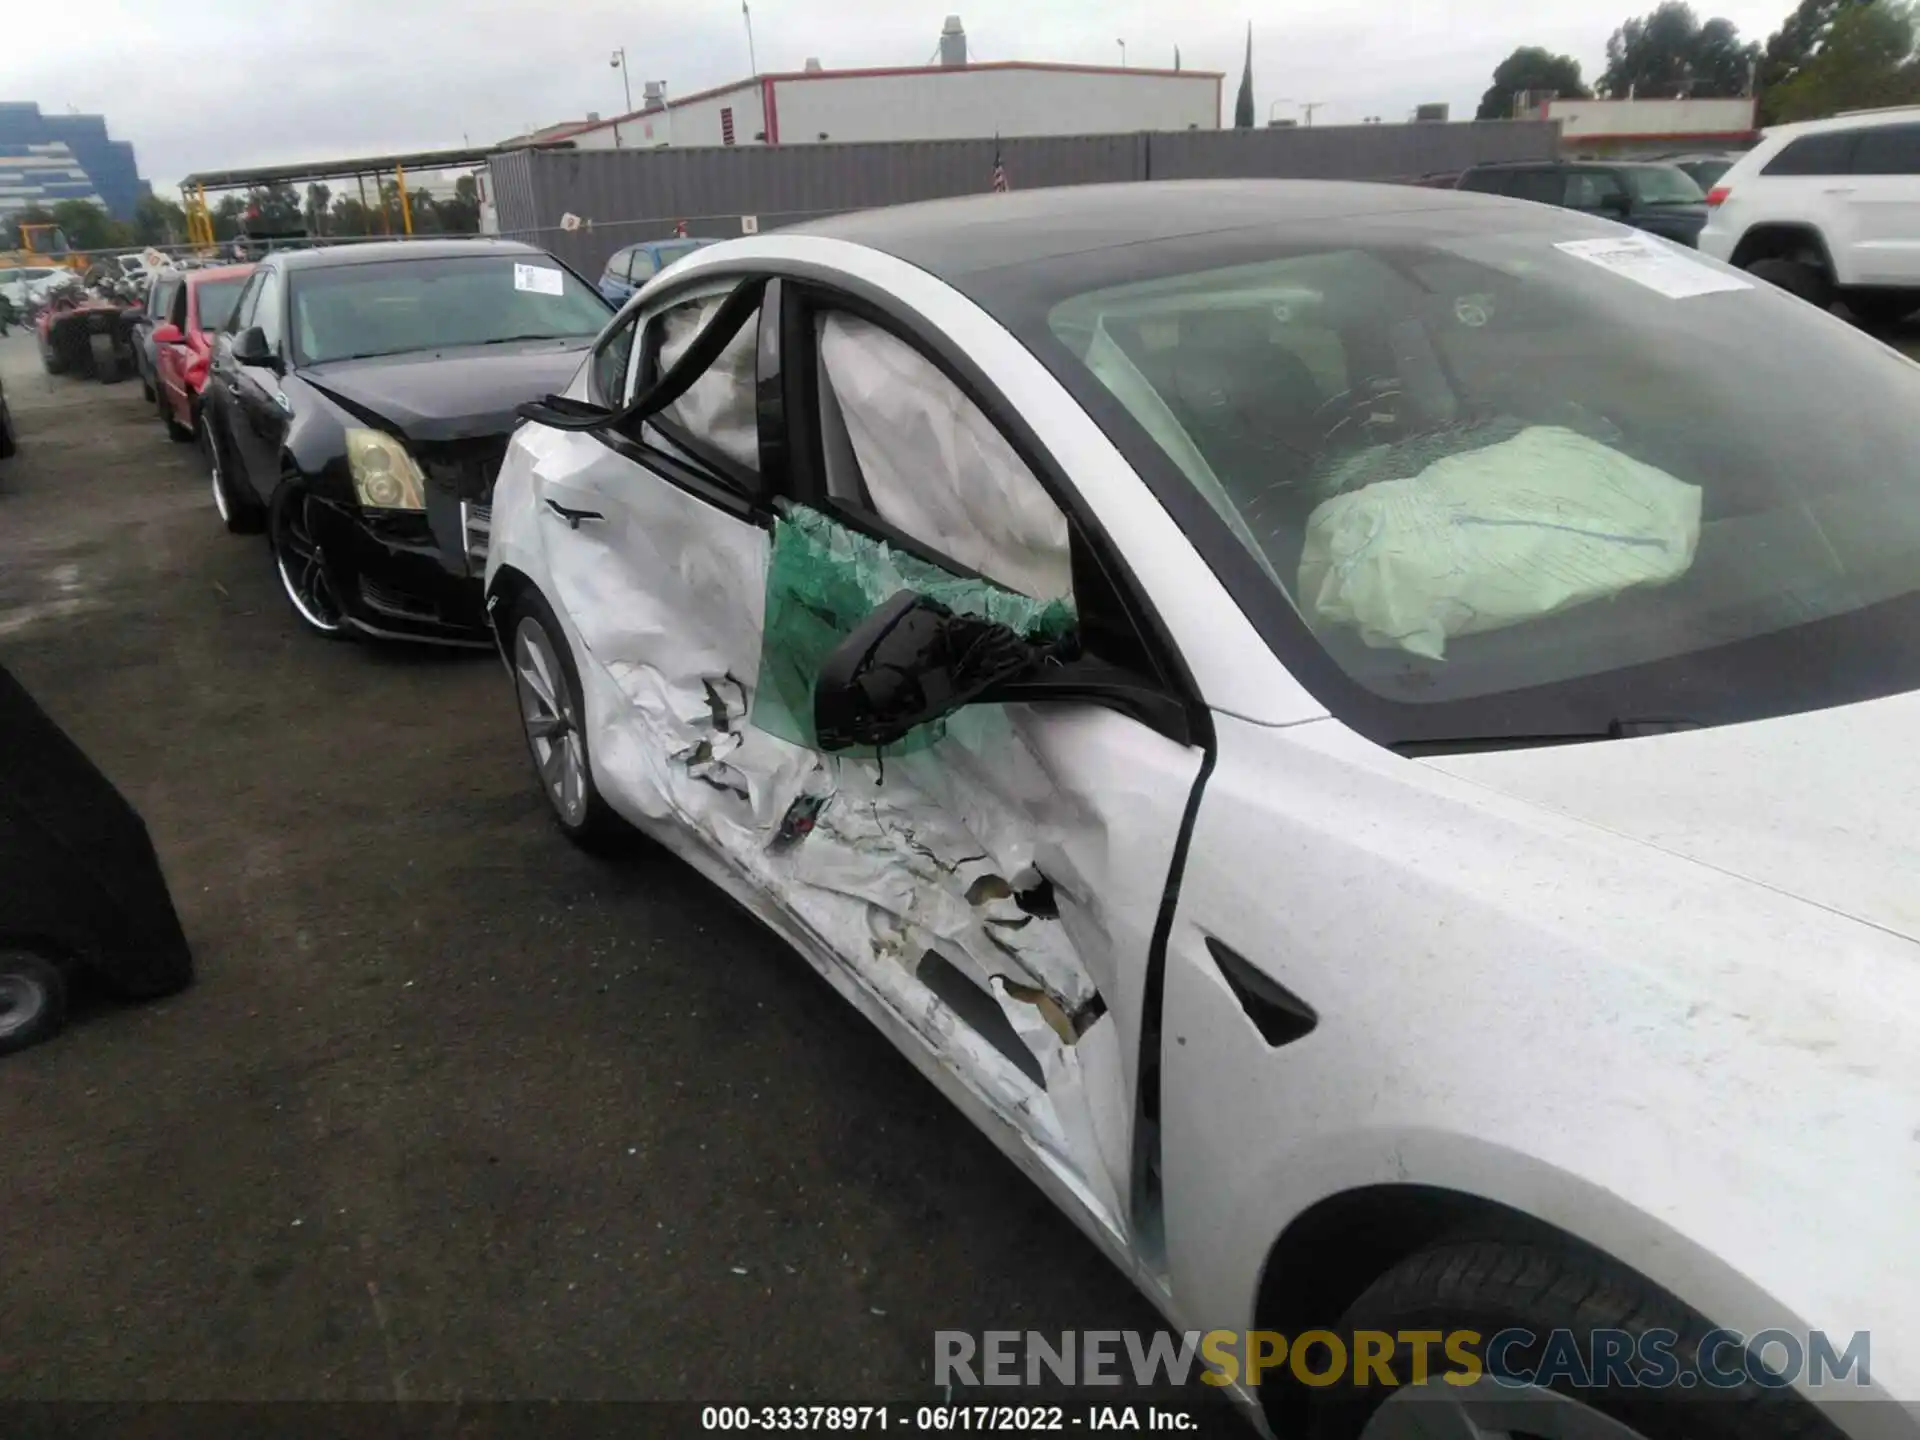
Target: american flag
x=1000 y=186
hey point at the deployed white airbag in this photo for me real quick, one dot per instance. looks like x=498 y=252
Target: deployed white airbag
x=1494 y=537
x=719 y=408
x=937 y=469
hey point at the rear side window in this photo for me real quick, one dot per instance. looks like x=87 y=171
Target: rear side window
x=1543 y=187
x=1830 y=154
x=1887 y=150
x=1488 y=182
x=1592 y=189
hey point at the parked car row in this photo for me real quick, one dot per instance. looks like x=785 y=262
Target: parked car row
x=1826 y=209
x=1328 y=720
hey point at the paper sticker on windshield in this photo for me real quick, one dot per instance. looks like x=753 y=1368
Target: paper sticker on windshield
x=1654 y=264
x=537 y=278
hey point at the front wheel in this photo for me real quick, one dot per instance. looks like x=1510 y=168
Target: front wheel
x=33 y=999
x=302 y=567
x=553 y=718
x=1547 y=1316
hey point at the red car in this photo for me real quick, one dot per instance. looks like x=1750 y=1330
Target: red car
x=183 y=343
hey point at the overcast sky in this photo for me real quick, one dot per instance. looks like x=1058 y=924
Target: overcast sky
x=207 y=84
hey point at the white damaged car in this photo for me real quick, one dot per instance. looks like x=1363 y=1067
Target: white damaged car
x=1365 y=735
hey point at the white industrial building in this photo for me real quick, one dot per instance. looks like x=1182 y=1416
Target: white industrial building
x=1625 y=129
x=953 y=100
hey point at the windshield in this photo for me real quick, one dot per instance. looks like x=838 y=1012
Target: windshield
x=1510 y=483
x=216 y=299
x=392 y=307
x=1664 y=185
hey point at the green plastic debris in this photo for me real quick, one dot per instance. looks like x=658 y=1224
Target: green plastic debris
x=824 y=579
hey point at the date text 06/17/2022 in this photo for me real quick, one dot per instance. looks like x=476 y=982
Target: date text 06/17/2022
x=939 y=1419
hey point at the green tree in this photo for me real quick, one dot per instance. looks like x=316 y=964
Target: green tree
x=226 y=213
x=1531 y=69
x=158 y=221
x=90 y=227
x=1669 y=53
x=318 y=195
x=1798 y=40
x=460 y=215
x=1865 y=60
x=1243 y=102
x=348 y=217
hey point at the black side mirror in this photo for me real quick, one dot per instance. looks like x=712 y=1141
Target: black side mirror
x=911 y=661
x=250 y=348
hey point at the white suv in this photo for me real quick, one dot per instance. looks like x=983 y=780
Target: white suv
x=1826 y=209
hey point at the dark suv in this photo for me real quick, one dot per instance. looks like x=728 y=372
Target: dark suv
x=1661 y=199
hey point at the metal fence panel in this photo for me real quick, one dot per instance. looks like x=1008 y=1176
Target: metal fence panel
x=510 y=181
x=621 y=196
x=1347 y=152
x=630 y=195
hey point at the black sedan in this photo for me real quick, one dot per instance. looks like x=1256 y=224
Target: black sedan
x=359 y=406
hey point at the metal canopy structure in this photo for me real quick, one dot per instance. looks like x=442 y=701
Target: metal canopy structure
x=195 y=187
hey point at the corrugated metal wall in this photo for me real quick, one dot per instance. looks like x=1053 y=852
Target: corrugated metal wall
x=1346 y=152
x=630 y=195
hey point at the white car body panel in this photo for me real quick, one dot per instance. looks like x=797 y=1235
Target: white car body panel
x=1704 y=1010
x=1396 y=898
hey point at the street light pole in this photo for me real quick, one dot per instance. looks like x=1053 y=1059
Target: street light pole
x=619 y=62
x=1283 y=100
x=1123 y=53
x=1307 y=107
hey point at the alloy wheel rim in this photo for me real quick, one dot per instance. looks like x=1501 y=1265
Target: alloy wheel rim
x=22 y=1000
x=1489 y=1410
x=546 y=711
x=302 y=574
x=213 y=466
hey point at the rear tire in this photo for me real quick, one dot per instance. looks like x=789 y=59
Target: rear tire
x=33 y=999
x=50 y=360
x=1881 y=309
x=106 y=359
x=239 y=512
x=9 y=440
x=1543 y=1286
x=553 y=720
x=1796 y=277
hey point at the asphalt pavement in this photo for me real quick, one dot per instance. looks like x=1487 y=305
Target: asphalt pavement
x=453 y=1111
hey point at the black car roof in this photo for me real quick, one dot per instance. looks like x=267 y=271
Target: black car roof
x=1564 y=163
x=326 y=256
x=971 y=233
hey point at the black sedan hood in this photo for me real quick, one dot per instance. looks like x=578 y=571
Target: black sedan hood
x=434 y=395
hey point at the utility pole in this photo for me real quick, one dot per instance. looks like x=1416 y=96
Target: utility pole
x=753 y=65
x=1307 y=107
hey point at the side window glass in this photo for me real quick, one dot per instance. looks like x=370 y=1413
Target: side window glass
x=177 y=307
x=612 y=357
x=904 y=443
x=1543 y=187
x=1591 y=189
x=715 y=421
x=1887 y=150
x=639 y=266
x=1487 y=182
x=242 y=315
x=1828 y=154
x=266 y=310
